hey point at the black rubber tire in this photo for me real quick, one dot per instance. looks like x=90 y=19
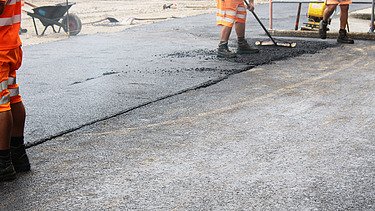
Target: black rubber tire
x=75 y=24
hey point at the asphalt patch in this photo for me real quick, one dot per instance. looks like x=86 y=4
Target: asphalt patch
x=266 y=55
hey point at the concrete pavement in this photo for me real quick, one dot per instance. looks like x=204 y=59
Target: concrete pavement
x=294 y=135
x=284 y=134
x=76 y=82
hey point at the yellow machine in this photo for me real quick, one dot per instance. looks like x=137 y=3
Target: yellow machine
x=314 y=16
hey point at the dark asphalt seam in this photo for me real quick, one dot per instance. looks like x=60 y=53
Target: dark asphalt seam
x=200 y=86
x=197 y=87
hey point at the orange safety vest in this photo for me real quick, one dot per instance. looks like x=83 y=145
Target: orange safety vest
x=10 y=24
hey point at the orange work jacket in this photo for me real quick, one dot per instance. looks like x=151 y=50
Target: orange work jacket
x=10 y=23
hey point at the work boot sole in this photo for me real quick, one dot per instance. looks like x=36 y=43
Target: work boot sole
x=345 y=41
x=22 y=168
x=253 y=51
x=8 y=174
x=229 y=56
x=20 y=160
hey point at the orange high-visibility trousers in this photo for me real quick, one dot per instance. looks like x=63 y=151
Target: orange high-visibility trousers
x=230 y=12
x=10 y=61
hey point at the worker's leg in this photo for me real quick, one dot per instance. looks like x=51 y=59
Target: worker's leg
x=19 y=116
x=240 y=29
x=6 y=121
x=7 y=171
x=343 y=36
x=240 y=25
x=19 y=157
x=225 y=18
x=344 y=16
x=330 y=8
x=243 y=46
x=223 y=49
x=5 y=129
x=328 y=11
x=225 y=33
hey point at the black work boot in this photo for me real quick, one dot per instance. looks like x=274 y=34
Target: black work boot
x=245 y=48
x=323 y=29
x=224 y=52
x=7 y=171
x=343 y=37
x=18 y=153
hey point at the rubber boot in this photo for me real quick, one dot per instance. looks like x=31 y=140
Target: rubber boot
x=19 y=157
x=224 y=52
x=323 y=29
x=245 y=48
x=343 y=37
x=7 y=171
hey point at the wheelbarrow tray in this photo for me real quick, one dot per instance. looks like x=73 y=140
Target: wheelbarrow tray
x=50 y=16
x=54 y=13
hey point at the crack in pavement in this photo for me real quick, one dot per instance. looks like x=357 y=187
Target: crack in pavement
x=273 y=53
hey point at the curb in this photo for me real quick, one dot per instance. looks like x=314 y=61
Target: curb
x=363 y=16
x=315 y=34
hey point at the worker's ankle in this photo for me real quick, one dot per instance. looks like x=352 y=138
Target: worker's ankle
x=223 y=42
x=241 y=39
x=16 y=141
x=5 y=153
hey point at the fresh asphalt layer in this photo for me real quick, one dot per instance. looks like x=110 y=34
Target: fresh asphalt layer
x=281 y=133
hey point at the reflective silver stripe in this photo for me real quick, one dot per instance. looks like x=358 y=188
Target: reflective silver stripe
x=241 y=16
x=241 y=9
x=227 y=12
x=228 y=20
x=12 y=81
x=220 y=12
x=230 y=12
x=10 y=21
x=11 y=2
x=4 y=100
x=14 y=92
x=3 y=85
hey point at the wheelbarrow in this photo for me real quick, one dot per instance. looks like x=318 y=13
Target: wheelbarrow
x=56 y=15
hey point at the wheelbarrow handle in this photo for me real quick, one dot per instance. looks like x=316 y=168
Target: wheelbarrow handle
x=30 y=4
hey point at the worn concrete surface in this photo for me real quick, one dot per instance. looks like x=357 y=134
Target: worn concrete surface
x=73 y=83
x=297 y=134
x=292 y=134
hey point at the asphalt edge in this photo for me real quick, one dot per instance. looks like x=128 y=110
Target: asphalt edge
x=315 y=34
x=197 y=87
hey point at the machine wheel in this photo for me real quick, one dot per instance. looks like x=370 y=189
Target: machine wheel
x=75 y=24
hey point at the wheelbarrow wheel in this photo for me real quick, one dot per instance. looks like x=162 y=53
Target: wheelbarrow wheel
x=75 y=24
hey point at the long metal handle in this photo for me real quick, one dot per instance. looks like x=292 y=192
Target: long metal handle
x=372 y=17
x=261 y=24
x=67 y=17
